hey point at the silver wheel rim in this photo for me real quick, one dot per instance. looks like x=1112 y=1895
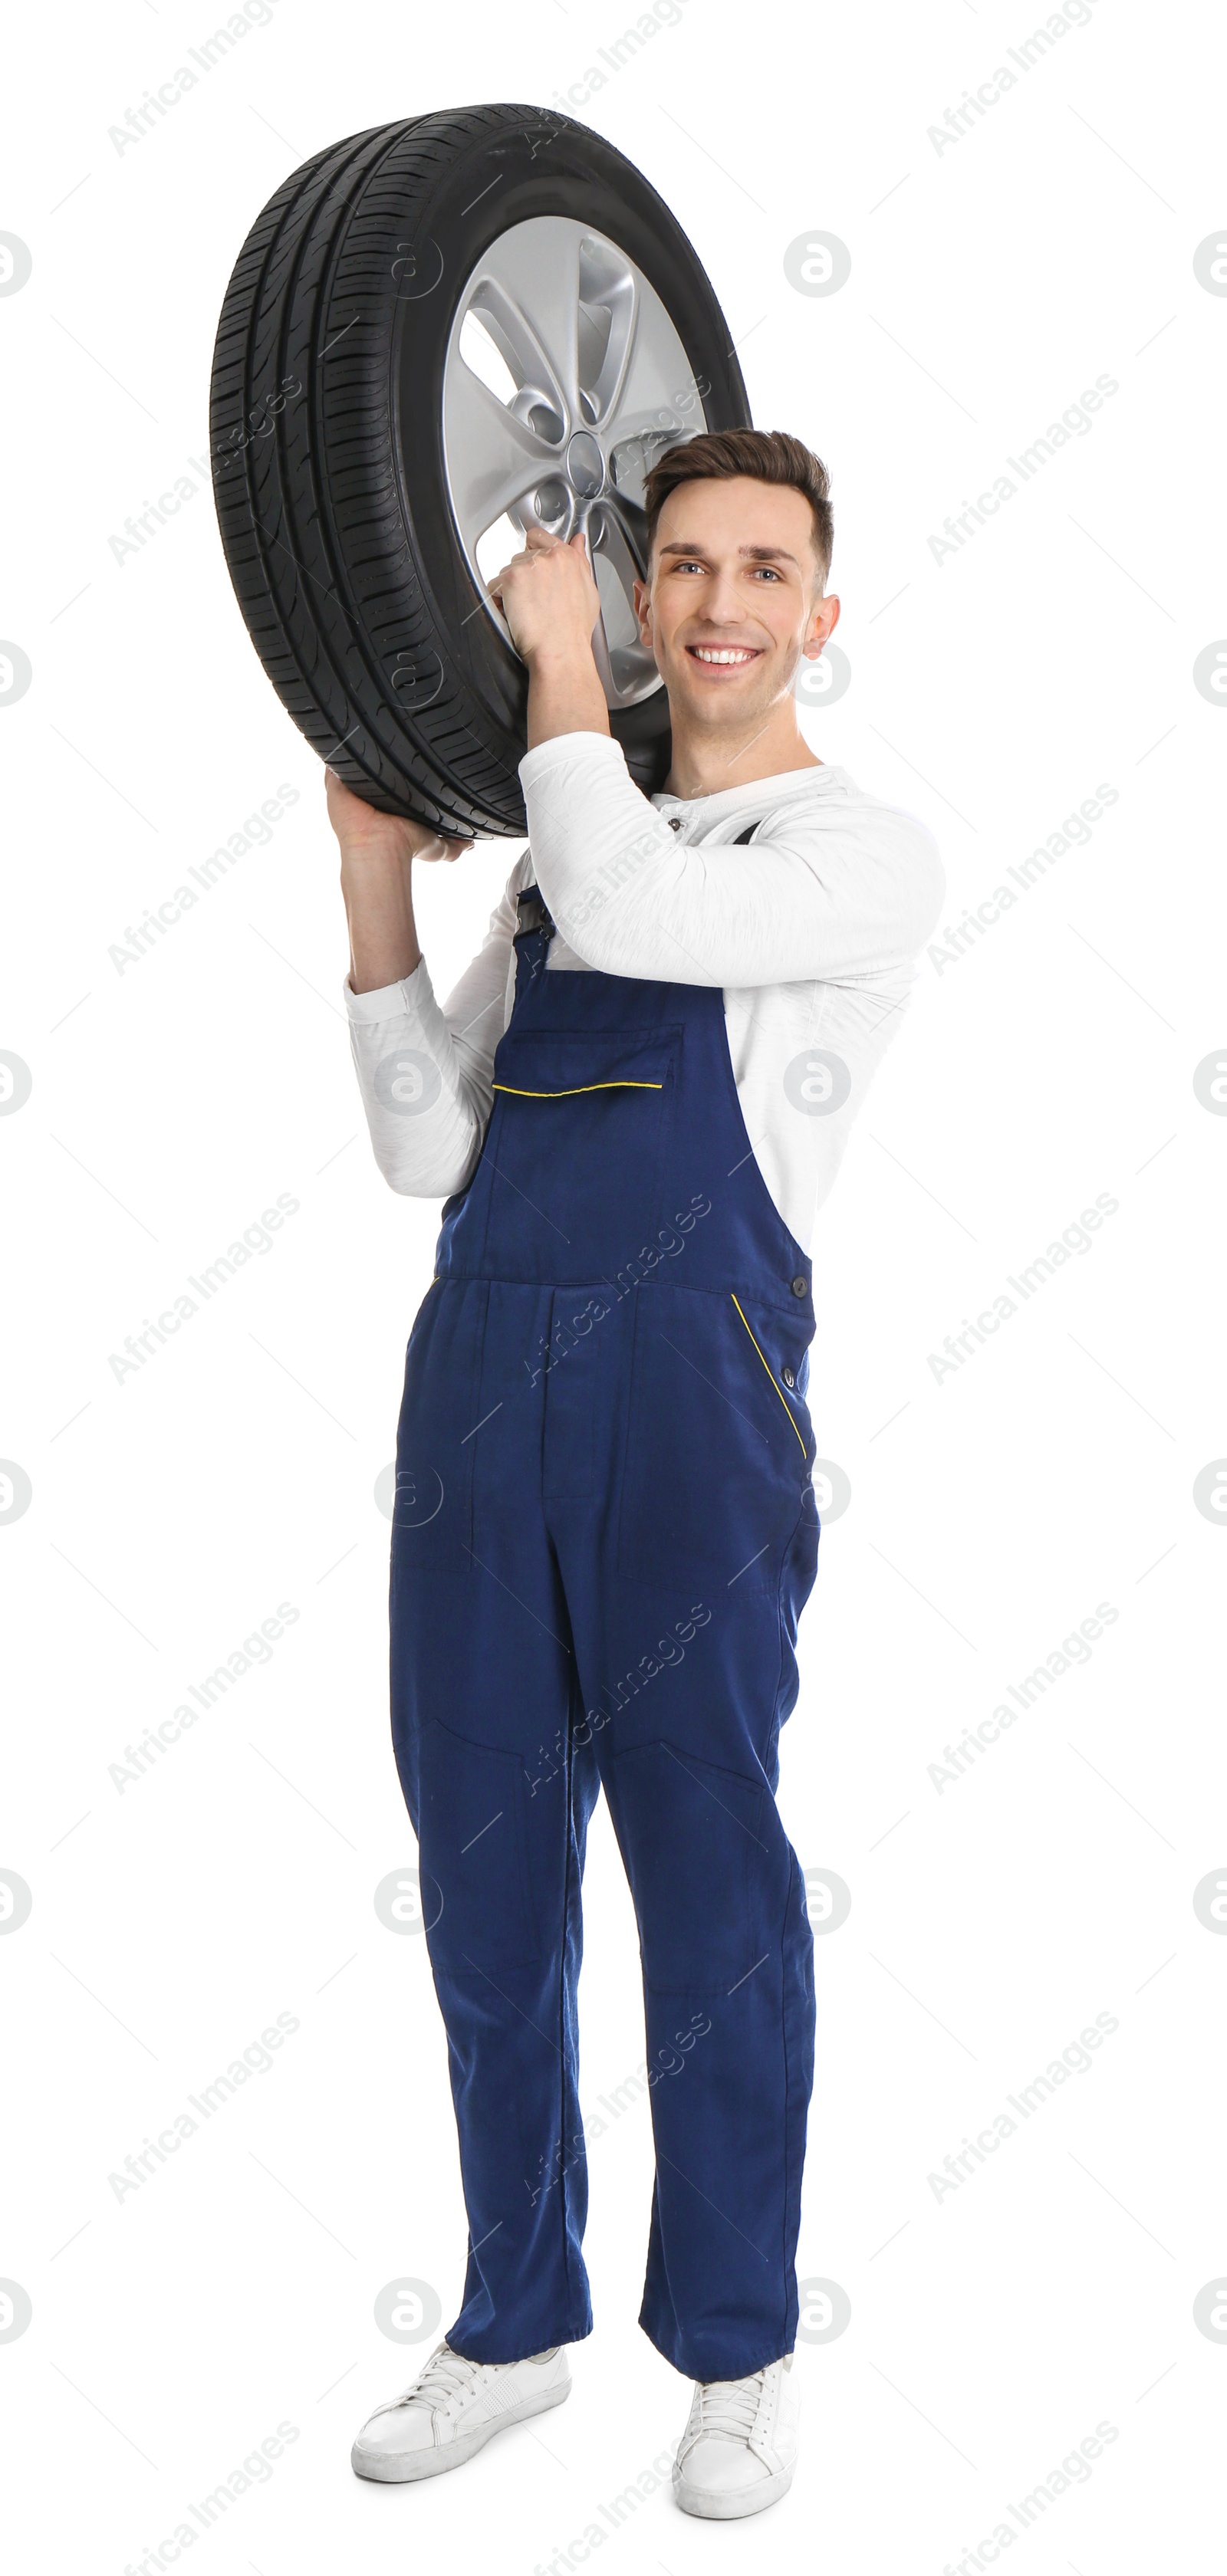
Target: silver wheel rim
x=583 y=383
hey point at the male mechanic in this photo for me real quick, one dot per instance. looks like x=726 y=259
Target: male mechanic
x=635 y=1100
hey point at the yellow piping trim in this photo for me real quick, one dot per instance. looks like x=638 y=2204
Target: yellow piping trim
x=570 y=1092
x=767 y=1365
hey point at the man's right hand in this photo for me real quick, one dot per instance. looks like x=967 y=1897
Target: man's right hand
x=365 y=833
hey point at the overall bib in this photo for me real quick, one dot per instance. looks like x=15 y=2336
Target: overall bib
x=603 y=1535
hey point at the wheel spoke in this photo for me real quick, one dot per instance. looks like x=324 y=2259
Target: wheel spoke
x=493 y=457
x=655 y=387
x=600 y=655
x=628 y=671
x=528 y=297
x=624 y=538
x=608 y=304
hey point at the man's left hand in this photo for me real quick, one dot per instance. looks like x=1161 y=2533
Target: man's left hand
x=548 y=595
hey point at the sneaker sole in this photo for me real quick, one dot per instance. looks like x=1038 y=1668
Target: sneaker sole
x=391 y=2471
x=721 y=2505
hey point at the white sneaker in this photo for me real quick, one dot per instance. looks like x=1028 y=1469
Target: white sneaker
x=739 y=2449
x=453 y=2408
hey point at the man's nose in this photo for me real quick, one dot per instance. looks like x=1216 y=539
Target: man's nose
x=722 y=603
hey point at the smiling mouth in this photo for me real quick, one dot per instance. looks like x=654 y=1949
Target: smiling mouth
x=723 y=657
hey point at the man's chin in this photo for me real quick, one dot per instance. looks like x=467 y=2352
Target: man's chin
x=713 y=707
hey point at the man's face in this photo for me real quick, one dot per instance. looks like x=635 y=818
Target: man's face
x=733 y=599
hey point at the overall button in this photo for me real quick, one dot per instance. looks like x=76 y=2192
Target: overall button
x=675 y=822
x=787 y=1375
x=800 y=1287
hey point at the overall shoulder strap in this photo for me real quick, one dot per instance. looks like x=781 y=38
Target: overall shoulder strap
x=533 y=913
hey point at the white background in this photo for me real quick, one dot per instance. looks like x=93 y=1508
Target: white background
x=991 y=1511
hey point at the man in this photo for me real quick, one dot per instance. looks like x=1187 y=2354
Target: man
x=605 y=1527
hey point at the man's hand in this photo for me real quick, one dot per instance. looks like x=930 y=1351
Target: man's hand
x=549 y=597
x=366 y=834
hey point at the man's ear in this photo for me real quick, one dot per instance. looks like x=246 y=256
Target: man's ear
x=643 y=611
x=824 y=618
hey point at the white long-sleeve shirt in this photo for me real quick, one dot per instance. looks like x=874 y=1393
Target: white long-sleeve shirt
x=811 y=930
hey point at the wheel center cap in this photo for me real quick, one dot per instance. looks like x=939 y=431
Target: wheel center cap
x=585 y=465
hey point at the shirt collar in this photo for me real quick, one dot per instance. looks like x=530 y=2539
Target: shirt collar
x=761 y=792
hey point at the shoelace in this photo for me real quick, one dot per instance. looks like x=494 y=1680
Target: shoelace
x=729 y=2406
x=445 y=2373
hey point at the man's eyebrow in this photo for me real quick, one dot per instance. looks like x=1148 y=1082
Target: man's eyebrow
x=757 y=554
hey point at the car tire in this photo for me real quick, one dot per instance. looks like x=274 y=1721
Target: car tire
x=352 y=458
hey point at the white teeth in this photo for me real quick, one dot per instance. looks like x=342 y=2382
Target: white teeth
x=713 y=653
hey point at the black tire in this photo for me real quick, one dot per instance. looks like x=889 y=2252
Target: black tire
x=327 y=445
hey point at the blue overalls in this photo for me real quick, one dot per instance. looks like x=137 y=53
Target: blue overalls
x=603 y=1535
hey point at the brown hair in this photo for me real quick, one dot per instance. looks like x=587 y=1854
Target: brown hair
x=766 y=455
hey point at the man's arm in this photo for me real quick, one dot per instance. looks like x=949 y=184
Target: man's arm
x=556 y=607
x=424 y=1073
x=839 y=886
x=377 y=855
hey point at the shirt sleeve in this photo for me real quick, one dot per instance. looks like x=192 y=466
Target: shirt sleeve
x=845 y=889
x=425 y=1073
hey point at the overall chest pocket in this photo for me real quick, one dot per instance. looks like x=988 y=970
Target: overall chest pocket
x=574 y=1150
x=718 y=1447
